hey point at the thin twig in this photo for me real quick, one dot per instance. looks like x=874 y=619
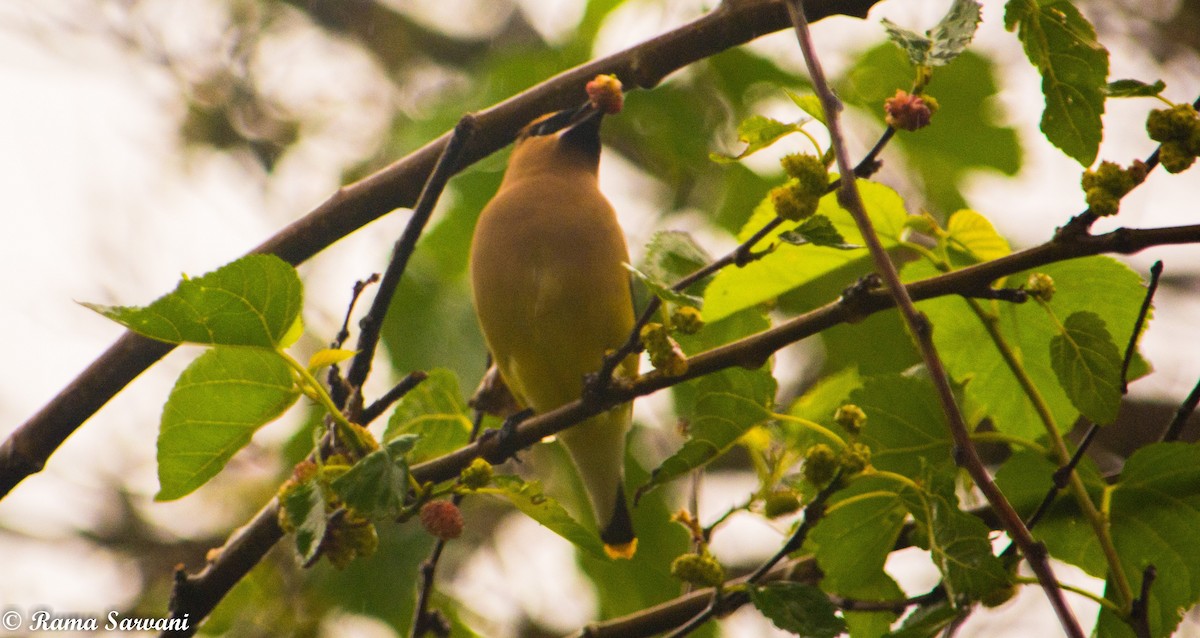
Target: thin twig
x=1185 y=410
x=410 y=381
x=424 y=620
x=338 y=390
x=1155 y=274
x=937 y=594
x=814 y=511
x=371 y=324
x=922 y=332
x=1062 y=476
x=1139 y=613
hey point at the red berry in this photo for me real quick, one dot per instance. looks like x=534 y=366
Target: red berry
x=442 y=519
x=605 y=94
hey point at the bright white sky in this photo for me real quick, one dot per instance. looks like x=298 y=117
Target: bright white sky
x=103 y=204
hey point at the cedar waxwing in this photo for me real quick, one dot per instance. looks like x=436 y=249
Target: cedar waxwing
x=552 y=295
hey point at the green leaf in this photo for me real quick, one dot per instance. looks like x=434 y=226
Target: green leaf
x=1025 y=478
x=906 y=428
x=790 y=267
x=218 y=402
x=1062 y=44
x=942 y=43
x=328 y=357
x=810 y=104
x=671 y=255
x=1088 y=366
x=801 y=609
x=958 y=542
x=858 y=533
x=757 y=132
x=927 y=621
x=726 y=406
x=304 y=508
x=1155 y=514
x=973 y=235
x=253 y=301
x=376 y=485
x=818 y=231
x=530 y=500
x=955 y=31
x=663 y=290
x=913 y=44
x=434 y=410
x=1100 y=285
x=1134 y=88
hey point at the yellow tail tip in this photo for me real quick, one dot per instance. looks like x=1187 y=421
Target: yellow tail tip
x=622 y=551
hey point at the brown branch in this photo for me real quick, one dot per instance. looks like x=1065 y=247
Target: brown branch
x=921 y=331
x=642 y=66
x=240 y=555
x=814 y=511
x=371 y=325
x=754 y=350
x=672 y=613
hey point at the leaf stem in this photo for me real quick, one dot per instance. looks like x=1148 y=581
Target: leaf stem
x=313 y=389
x=812 y=426
x=1100 y=600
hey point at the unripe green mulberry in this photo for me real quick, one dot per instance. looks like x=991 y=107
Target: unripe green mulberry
x=349 y=537
x=808 y=170
x=1174 y=157
x=851 y=418
x=476 y=475
x=665 y=354
x=792 y=203
x=855 y=458
x=1175 y=123
x=687 y=320
x=700 y=570
x=820 y=464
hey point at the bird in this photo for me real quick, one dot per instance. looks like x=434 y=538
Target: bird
x=552 y=296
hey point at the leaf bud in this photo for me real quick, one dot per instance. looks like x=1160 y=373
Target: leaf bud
x=820 y=464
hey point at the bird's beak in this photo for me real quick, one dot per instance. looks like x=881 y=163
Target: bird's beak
x=585 y=117
x=583 y=128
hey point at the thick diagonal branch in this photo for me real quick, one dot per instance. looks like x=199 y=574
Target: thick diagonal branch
x=733 y=23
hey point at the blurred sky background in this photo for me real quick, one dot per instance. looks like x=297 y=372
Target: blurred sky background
x=105 y=202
